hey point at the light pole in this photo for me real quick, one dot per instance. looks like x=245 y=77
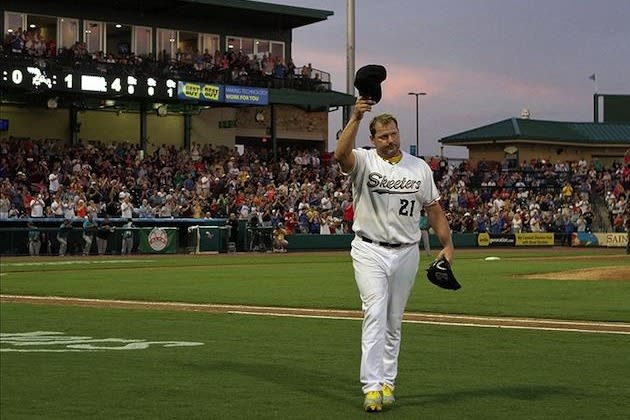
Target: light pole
x=417 y=94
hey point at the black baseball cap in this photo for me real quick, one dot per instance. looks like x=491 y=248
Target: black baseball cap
x=368 y=81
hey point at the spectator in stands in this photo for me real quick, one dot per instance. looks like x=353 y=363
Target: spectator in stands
x=81 y=209
x=279 y=70
x=126 y=208
x=569 y=228
x=567 y=191
x=17 y=41
x=348 y=214
x=145 y=210
x=37 y=206
x=326 y=222
x=290 y=72
x=481 y=223
x=517 y=223
x=307 y=71
x=5 y=206
x=53 y=181
x=580 y=225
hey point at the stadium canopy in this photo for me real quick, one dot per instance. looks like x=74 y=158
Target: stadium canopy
x=285 y=17
x=552 y=132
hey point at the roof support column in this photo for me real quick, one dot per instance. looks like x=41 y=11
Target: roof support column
x=143 y=127
x=75 y=126
x=274 y=140
x=350 y=51
x=187 y=128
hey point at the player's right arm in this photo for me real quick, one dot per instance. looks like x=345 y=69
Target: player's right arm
x=343 y=152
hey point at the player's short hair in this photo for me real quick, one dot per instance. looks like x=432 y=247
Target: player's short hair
x=382 y=119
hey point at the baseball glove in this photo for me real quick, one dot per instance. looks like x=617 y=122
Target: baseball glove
x=440 y=274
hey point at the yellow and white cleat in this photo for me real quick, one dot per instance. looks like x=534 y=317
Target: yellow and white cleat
x=373 y=401
x=388 y=396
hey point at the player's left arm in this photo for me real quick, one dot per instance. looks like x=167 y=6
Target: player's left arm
x=439 y=223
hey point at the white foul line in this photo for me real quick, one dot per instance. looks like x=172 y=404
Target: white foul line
x=452 y=324
x=344 y=314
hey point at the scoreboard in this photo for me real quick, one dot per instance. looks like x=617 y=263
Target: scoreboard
x=36 y=79
x=32 y=78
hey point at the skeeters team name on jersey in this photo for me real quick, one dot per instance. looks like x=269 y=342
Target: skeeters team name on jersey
x=380 y=184
x=387 y=198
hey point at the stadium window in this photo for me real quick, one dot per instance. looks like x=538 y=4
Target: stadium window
x=277 y=49
x=247 y=46
x=41 y=28
x=188 y=42
x=261 y=47
x=166 y=43
x=240 y=44
x=68 y=32
x=232 y=43
x=142 y=44
x=93 y=36
x=14 y=21
x=210 y=42
x=117 y=39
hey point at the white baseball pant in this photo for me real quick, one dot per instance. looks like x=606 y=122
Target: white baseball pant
x=385 y=277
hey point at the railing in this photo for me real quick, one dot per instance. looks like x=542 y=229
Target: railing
x=319 y=80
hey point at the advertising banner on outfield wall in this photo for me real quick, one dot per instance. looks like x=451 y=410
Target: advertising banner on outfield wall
x=486 y=239
x=611 y=240
x=518 y=239
x=158 y=240
x=534 y=239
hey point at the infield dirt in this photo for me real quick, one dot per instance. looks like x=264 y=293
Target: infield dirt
x=612 y=273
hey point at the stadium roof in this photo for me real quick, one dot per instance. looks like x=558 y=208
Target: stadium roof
x=310 y=100
x=286 y=16
x=527 y=130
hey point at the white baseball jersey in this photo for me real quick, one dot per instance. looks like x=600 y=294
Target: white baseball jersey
x=388 y=197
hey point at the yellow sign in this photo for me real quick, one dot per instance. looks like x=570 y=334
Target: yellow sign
x=191 y=90
x=534 y=239
x=211 y=92
x=483 y=239
x=616 y=240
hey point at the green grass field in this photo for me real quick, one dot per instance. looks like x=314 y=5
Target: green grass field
x=123 y=363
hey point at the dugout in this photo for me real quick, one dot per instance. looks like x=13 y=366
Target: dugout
x=14 y=235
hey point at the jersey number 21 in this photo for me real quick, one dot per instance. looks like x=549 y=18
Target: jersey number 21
x=404 y=207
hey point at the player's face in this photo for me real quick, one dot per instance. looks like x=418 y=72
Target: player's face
x=386 y=139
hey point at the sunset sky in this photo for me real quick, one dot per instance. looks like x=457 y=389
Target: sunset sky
x=479 y=61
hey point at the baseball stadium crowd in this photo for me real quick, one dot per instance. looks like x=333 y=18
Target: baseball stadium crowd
x=303 y=190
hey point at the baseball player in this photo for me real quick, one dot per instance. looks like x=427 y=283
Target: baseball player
x=390 y=188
